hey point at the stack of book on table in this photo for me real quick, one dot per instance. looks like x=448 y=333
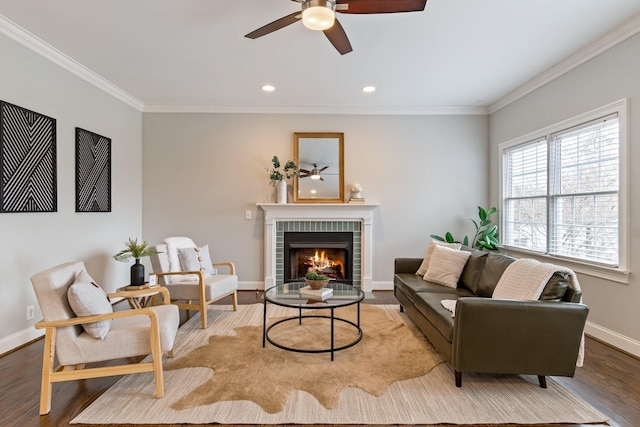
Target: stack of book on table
x=317 y=294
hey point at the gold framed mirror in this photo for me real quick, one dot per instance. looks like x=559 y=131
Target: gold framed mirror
x=320 y=160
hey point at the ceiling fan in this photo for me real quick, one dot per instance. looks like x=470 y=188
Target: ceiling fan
x=313 y=173
x=320 y=15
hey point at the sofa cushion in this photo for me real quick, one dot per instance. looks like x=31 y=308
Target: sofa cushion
x=446 y=265
x=556 y=287
x=427 y=256
x=494 y=266
x=471 y=274
x=410 y=284
x=429 y=305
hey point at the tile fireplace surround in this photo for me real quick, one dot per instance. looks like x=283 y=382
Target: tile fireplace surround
x=318 y=218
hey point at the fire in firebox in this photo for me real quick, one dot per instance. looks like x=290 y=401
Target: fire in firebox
x=329 y=262
x=322 y=264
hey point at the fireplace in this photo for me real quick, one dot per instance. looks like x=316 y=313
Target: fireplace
x=356 y=218
x=328 y=253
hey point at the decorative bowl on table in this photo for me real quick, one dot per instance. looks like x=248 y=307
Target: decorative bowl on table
x=316 y=284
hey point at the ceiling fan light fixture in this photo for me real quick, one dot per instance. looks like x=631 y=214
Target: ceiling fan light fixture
x=314 y=174
x=318 y=15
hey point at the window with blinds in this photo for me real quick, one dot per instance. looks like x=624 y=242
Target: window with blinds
x=561 y=193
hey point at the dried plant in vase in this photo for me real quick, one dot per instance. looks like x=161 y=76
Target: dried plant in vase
x=135 y=250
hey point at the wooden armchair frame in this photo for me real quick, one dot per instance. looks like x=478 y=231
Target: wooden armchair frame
x=52 y=374
x=202 y=304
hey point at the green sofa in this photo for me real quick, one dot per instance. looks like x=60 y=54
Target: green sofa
x=488 y=335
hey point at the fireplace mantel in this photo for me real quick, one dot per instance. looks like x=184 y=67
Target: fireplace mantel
x=274 y=213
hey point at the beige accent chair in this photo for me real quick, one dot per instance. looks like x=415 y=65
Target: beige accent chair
x=130 y=333
x=192 y=289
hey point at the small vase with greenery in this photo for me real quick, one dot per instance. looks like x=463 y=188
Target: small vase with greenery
x=278 y=177
x=486 y=236
x=316 y=280
x=135 y=250
x=289 y=170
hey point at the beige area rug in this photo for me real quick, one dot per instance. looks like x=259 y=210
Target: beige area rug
x=199 y=395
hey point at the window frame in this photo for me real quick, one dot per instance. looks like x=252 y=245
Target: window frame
x=621 y=272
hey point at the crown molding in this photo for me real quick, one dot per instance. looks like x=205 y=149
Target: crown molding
x=319 y=109
x=612 y=39
x=17 y=33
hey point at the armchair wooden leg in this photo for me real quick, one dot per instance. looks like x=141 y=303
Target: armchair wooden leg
x=543 y=381
x=156 y=355
x=234 y=299
x=203 y=314
x=458 y=379
x=47 y=370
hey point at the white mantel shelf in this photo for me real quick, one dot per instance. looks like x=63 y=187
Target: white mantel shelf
x=276 y=212
x=319 y=211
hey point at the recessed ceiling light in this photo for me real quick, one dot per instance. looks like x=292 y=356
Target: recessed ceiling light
x=369 y=89
x=268 y=88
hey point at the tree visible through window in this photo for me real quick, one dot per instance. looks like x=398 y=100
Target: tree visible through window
x=561 y=192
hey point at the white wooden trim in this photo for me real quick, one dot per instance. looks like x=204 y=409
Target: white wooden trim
x=612 y=338
x=44 y=49
x=14 y=341
x=615 y=37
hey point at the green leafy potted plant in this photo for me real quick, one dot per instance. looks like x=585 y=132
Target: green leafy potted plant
x=289 y=170
x=486 y=236
x=135 y=250
x=315 y=280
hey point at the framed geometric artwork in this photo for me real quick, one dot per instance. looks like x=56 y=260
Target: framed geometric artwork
x=93 y=172
x=28 y=181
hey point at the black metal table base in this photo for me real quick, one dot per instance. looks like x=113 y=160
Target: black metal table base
x=332 y=349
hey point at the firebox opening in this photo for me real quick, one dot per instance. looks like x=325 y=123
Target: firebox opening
x=328 y=261
x=330 y=254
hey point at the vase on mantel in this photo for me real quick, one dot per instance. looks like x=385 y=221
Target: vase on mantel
x=281 y=191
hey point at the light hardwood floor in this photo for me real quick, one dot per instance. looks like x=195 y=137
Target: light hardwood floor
x=609 y=381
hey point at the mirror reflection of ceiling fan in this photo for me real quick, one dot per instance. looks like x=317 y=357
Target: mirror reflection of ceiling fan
x=313 y=173
x=320 y=15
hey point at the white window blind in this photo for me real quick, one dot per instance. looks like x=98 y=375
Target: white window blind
x=561 y=193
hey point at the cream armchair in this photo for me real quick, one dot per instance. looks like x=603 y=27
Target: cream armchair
x=187 y=271
x=78 y=339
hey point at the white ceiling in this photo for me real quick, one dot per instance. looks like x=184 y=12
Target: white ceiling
x=190 y=55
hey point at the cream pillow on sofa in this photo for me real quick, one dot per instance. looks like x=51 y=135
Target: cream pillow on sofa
x=446 y=265
x=427 y=256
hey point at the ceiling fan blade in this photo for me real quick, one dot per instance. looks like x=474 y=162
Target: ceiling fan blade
x=275 y=25
x=304 y=171
x=322 y=169
x=380 y=6
x=338 y=38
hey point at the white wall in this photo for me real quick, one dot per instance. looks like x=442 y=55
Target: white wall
x=30 y=242
x=202 y=171
x=613 y=75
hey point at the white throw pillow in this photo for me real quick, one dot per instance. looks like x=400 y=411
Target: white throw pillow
x=196 y=259
x=446 y=265
x=173 y=243
x=86 y=298
x=425 y=262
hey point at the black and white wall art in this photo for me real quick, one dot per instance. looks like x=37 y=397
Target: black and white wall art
x=27 y=161
x=93 y=172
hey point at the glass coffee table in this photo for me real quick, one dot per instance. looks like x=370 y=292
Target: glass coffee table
x=288 y=295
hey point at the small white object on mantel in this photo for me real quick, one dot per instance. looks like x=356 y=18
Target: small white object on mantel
x=274 y=213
